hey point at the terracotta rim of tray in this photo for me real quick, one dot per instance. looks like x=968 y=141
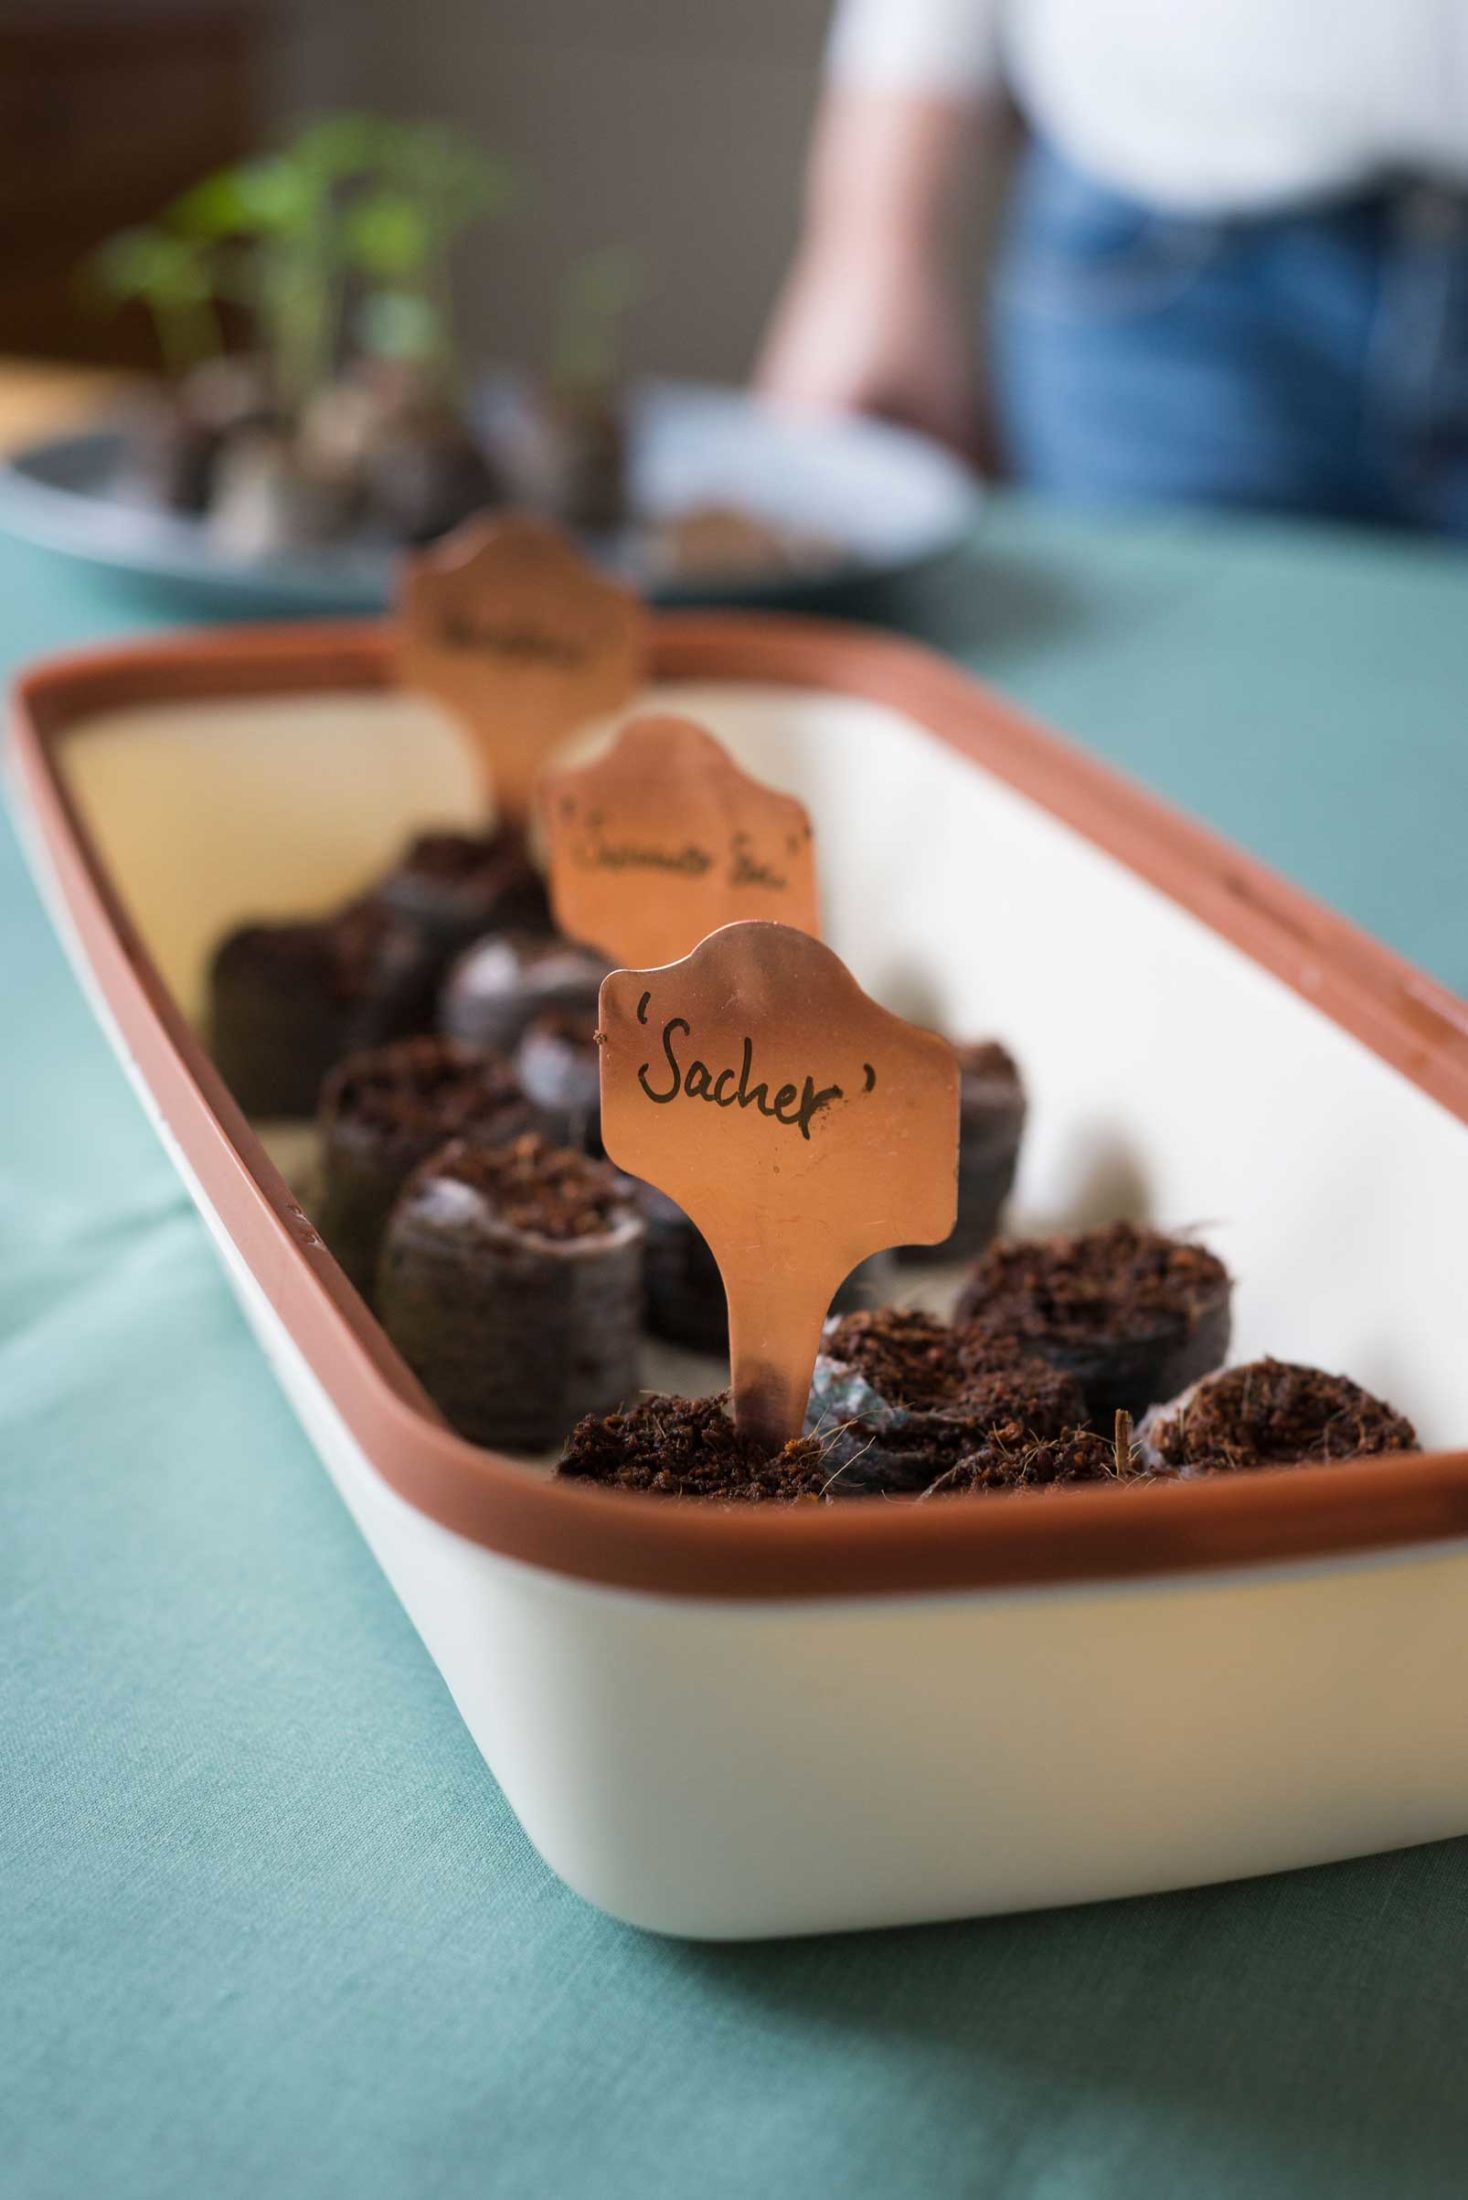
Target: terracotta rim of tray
x=652 y=1544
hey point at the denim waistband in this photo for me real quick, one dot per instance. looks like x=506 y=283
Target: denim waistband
x=1415 y=207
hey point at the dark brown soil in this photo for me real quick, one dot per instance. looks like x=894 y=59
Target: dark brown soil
x=456 y=857
x=689 y=1447
x=416 y=1094
x=1078 y=1455
x=1117 y=1281
x=537 y=1189
x=910 y=1359
x=462 y=884
x=1133 y=1316
x=1272 y=1413
x=1015 y=1393
x=899 y=1397
x=916 y=1361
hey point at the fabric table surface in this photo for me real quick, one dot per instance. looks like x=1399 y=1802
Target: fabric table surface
x=267 y=1925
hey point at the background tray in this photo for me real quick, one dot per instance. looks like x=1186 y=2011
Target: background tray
x=890 y=497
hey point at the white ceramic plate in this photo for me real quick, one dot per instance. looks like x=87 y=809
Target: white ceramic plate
x=889 y=498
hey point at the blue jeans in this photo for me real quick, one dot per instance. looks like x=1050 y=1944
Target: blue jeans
x=1304 y=362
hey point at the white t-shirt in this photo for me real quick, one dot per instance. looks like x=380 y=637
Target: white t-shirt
x=1206 y=104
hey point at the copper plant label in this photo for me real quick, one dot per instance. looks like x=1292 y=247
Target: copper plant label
x=799 y=1125
x=664 y=840
x=509 y=628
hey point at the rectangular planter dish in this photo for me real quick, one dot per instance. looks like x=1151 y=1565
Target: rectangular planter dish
x=726 y=1724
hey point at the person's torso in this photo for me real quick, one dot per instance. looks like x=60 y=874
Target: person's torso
x=1246 y=103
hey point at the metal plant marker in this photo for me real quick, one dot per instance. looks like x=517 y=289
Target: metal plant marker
x=799 y=1125
x=507 y=626
x=664 y=839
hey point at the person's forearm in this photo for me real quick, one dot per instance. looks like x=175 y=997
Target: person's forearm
x=887 y=168
x=871 y=317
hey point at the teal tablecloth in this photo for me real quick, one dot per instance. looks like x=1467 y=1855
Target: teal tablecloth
x=266 y=1925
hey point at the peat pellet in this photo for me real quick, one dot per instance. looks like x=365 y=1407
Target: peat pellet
x=384 y=1111
x=991 y=1121
x=559 y=1065
x=1271 y=1413
x=510 y=1281
x=898 y=1396
x=1134 y=1316
x=667 y=1446
x=288 y=1001
x=495 y=990
x=458 y=886
x=1077 y=1455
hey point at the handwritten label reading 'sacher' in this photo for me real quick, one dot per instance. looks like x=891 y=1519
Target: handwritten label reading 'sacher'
x=797 y=1106
x=664 y=839
x=801 y=1126
x=511 y=630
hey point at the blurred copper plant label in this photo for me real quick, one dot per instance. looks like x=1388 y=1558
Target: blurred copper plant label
x=798 y=1124
x=664 y=839
x=506 y=624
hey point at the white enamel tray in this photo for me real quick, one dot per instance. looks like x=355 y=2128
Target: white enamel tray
x=770 y=1721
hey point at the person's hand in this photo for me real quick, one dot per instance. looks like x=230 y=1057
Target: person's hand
x=862 y=329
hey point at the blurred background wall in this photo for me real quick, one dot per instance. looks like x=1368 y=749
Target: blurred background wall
x=676 y=127
x=672 y=126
